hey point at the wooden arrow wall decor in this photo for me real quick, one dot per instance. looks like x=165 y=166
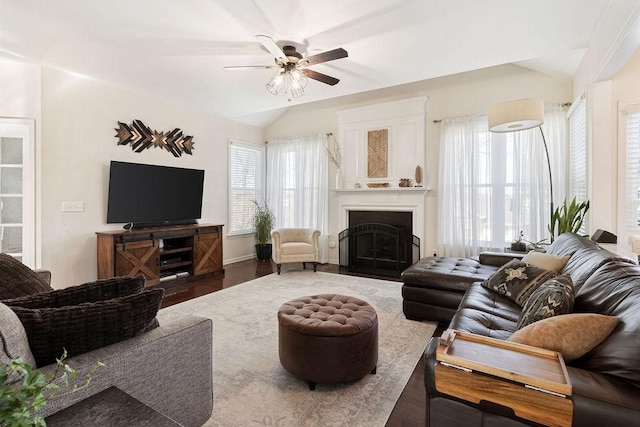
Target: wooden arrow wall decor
x=141 y=137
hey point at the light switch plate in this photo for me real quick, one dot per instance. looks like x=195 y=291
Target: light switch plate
x=72 y=206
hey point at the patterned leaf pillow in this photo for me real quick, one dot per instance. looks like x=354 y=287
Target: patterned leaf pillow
x=553 y=297
x=517 y=280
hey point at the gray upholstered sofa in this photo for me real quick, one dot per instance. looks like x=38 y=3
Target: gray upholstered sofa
x=168 y=368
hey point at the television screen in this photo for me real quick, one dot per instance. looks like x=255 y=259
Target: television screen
x=148 y=193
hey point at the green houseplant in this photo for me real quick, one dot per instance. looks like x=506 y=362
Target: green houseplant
x=568 y=218
x=263 y=220
x=20 y=404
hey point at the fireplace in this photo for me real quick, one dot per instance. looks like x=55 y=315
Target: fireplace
x=379 y=243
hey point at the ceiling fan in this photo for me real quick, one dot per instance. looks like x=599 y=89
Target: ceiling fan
x=293 y=71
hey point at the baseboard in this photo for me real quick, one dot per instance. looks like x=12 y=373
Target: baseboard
x=238 y=259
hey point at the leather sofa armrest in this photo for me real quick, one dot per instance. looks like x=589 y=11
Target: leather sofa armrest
x=498 y=259
x=429 y=366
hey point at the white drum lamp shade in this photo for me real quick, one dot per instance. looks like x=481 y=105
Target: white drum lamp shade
x=522 y=114
x=516 y=115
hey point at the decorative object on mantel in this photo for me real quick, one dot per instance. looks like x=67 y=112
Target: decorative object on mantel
x=418 y=176
x=142 y=137
x=377 y=153
x=405 y=182
x=333 y=154
x=338 y=179
x=356 y=185
x=377 y=184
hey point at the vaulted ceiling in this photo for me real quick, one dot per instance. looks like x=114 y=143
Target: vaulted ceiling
x=177 y=49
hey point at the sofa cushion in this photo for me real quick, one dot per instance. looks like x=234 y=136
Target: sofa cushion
x=85 y=327
x=296 y=248
x=449 y=273
x=553 y=297
x=572 y=335
x=99 y=290
x=614 y=290
x=517 y=280
x=568 y=244
x=546 y=261
x=487 y=313
x=13 y=341
x=584 y=262
x=16 y=279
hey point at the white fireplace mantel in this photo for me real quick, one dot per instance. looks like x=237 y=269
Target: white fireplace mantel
x=410 y=199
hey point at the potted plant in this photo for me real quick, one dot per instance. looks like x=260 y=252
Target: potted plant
x=519 y=245
x=21 y=404
x=568 y=218
x=262 y=224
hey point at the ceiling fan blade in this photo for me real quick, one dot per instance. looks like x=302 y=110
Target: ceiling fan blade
x=320 y=77
x=272 y=47
x=326 y=56
x=250 y=67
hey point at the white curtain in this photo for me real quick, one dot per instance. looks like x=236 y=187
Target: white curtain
x=493 y=186
x=297 y=185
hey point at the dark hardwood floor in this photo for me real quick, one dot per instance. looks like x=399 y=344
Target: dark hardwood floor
x=410 y=407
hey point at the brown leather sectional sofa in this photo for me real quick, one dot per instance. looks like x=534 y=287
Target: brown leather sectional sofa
x=606 y=381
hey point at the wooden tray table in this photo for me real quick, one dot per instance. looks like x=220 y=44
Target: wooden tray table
x=531 y=381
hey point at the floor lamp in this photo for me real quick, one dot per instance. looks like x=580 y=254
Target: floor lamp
x=519 y=115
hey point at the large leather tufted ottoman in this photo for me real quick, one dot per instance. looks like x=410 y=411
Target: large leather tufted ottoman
x=434 y=286
x=328 y=338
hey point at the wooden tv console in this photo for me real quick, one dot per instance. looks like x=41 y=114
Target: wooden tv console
x=176 y=253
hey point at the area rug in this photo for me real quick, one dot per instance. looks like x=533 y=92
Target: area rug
x=251 y=388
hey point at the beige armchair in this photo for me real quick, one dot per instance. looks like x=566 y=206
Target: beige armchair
x=295 y=245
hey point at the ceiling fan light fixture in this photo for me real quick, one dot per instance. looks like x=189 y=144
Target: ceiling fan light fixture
x=275 y=84
x=294 y=75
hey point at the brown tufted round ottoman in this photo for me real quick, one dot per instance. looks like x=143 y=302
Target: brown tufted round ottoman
x=328 y=338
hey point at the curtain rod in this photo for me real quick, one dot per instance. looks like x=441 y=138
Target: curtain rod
x=565 y=105
x=328 y=135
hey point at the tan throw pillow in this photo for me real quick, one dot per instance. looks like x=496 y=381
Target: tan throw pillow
x=572 y=335
x=546 y=261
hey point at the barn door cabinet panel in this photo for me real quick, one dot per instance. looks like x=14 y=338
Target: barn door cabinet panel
x=180 y=253
x=207 y=249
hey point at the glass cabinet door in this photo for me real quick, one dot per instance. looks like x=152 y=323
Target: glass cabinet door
x=17 y=189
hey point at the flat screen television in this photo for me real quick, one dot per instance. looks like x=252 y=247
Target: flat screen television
x=149 y=195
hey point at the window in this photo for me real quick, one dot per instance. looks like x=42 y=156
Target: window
x=246 y=185
x=17 y=189
x=632 y=180
x=297 y=184
x=578 y=154
x=492 y=186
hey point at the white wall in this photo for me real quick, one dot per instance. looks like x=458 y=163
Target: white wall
x=78 y=142
x=463 y=94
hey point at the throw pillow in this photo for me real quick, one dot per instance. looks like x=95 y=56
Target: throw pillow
x=16 y=279
x=546 y=261
x=572 y=335
x=99 y=290
x=88 y=326
x=13 y=341
x=517 y=280
x=553 y=297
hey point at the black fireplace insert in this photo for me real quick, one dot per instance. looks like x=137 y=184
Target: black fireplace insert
x=373 y=247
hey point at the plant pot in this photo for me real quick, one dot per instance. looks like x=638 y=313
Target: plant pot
x=263 y=252
x=518 y=247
